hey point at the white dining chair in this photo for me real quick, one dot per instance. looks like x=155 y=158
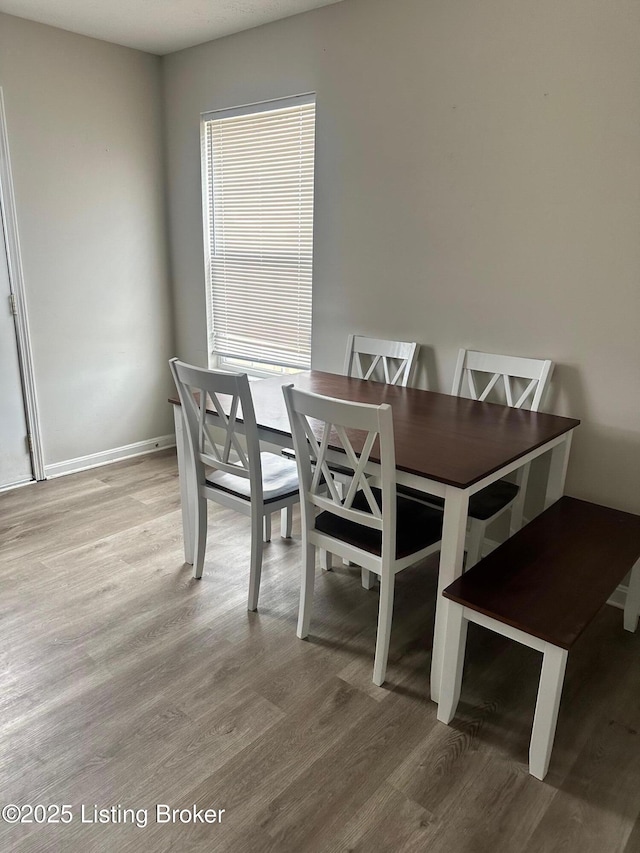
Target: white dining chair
x=513 y=381
x=370 y=526
x=226 y=464
x=391 y=362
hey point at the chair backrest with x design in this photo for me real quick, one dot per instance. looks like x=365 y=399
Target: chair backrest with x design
x=217 y=445
x=514 y=380
x=385 y=361
x=320 y=424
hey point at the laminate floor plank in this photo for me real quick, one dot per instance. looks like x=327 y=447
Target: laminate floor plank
x=19 y=504
x=255 y=777
x=127 y=683
x=633 y=842
x=600 y=793
x=386 y=821
x=347 y=775
x=63 y=529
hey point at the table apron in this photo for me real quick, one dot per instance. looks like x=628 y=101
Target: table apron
x=416 y=481
x=518 y=463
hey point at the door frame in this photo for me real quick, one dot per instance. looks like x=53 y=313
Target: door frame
x=16 y=285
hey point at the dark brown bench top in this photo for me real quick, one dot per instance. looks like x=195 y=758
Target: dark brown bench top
x=554 y=575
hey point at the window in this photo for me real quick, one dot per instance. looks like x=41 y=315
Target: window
x=258 y=208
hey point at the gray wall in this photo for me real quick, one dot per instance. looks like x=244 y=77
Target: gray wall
x=84 y=121
x=478 y=185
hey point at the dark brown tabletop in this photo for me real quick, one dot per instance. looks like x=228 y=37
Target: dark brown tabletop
x=448 y=439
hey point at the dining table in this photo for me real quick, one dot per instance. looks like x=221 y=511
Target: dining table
x=446 y=446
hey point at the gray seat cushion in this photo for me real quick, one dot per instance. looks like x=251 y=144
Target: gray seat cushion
x=279 y=479
x=417 y=526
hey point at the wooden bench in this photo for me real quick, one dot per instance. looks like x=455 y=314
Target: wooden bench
x=542 y=587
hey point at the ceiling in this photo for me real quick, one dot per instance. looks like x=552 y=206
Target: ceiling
x=157 y=26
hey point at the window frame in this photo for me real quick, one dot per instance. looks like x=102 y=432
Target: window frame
x=254 y=367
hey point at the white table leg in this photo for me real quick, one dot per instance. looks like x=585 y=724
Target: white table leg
x=456 y=504
x=186 y=488
x=476 y=535
x=632 y=604
x=557 y=471
x=453 y=662
x=517 y=509
x=554 y=664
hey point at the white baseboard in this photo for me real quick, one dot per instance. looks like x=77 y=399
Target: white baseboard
x=617 y=599
x=13 y=486
x=82 y=463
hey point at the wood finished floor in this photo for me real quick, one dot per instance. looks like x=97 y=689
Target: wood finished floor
x=125 y=682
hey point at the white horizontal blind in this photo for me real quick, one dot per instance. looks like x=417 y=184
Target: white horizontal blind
x=259 y=188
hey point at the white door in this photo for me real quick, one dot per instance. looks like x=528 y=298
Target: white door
x=15 y=459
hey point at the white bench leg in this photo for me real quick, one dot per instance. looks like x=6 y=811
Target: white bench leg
x=554 y=664
x=632 y=604
x=455 y=642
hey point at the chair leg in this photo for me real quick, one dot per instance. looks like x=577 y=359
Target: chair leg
x=367 y=578
x=385 y=614
x=474 y=542
x=286 y=521
x=554 y=664
x=632 y=604
x=200 y=536
x=455 y=641
x=187 y=479
x=306 y=591
x=256 y=557
x=266 y=523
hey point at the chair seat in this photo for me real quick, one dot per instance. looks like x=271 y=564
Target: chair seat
x=417 y=526
x=490 y=500
x=483 y=505
x=279 y=479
